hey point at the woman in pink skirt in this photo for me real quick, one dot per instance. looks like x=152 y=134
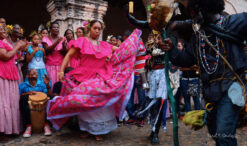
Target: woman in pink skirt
x=9 y=90
x=14 y=37
x=53 y=45
x=99 y=89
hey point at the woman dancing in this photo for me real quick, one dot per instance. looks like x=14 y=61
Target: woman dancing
x=99 y=89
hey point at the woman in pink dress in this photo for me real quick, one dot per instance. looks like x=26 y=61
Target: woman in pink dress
x=53 y=45
x=9 y=90
x=14 y=37
x=80 y=32
x=75 y=60
x=44 y=33
x=99 y=89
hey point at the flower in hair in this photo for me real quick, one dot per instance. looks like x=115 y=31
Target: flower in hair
x=85 y=24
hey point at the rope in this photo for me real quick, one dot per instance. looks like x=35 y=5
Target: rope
x=227 y=63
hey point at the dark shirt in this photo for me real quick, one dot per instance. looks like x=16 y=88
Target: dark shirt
x=57 y=88
x=235 y=55
x=159 y=60
x=189 y=74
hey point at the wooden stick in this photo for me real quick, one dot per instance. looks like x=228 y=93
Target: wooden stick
x=131 y=7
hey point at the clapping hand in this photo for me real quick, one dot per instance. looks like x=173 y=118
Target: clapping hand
x=21 y=58
x=36 y=49
x=21 y=44
x=61 y=39
x=65 y=42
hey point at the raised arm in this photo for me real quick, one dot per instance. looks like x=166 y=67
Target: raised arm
x=51 y=48
x=66 y=61
x=47 y=83
x=44 y=54
x=180 y=58
x=114 y=48
x=30 y=56
x=65 y=48
x=6 y=55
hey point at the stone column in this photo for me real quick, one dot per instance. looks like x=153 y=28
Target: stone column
x=71 y=13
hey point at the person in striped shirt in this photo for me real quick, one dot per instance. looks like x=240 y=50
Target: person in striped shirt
x=140 y=84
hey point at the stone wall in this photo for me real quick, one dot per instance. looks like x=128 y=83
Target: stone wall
x=235 y=6
x=71 y=13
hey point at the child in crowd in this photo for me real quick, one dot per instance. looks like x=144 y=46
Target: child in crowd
x=35 y=57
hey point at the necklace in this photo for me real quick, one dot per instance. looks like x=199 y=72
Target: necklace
x=37 y=59
x=53 y=40
x=97 y=50
x=202 y=53
x=204 y=61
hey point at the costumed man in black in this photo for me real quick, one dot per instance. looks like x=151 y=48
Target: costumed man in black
x=226 y=33
x=158 y=87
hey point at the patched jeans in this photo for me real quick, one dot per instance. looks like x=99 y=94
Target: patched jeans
x=184 y=87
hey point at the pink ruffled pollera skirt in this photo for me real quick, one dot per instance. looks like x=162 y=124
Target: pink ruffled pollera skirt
x=21 y=79
x=52 y=72
x=98 y=101
x=9 y=107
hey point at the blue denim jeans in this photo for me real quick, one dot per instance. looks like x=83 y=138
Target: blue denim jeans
x=184 y=88
x=222 y=122
x=141 y=98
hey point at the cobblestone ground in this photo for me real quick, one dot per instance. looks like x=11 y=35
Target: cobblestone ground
x=127 y=135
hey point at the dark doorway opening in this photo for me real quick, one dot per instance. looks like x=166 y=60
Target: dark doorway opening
x=31 y=13
x=28 y=13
